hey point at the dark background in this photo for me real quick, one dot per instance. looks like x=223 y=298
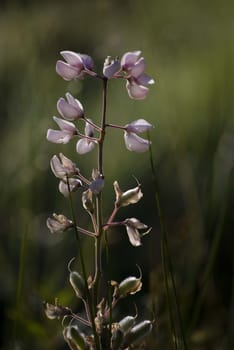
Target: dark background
x=188 y=47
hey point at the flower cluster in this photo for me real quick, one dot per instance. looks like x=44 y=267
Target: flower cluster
x=102 y=330
x=130 y=68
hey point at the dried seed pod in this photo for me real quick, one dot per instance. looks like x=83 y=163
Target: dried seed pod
x=55 y=311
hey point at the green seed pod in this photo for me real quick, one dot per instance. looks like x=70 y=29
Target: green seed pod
x=117 y=339
x=126 y=324
x=129 y=285
x=78 y=284
x=78 y=338
x=138 y=332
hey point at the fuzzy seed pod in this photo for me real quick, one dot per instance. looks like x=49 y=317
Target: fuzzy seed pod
x=129 y=285
x=138 y=332
x=126 y=324
x=78 y=284
x=117 y=339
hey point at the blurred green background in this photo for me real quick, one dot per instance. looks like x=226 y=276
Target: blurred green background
x=188 y=47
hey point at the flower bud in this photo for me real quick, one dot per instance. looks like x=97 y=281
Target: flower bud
x=129 y=285
x=111 y=67
x=78 y=284
x=117 y=339
x=126 y=324
x=131 y=196
x=87 y=200
x=138 y=332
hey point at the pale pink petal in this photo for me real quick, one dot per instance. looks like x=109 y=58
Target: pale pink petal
x=129 y=59
x=138 y=126
x=138 y=68
x=57 y=167
x=58 y=136
x=75 y=103
x=135 y=143
x=73 y=59
x=74 y=184
x=110 y=68
x=70 y=111
x=134 y=236
x=65 y=125
x=144 y=79
x=84 y=146
x=66 y=71
x=87 y=61
x=89 y=129
x=138 y=92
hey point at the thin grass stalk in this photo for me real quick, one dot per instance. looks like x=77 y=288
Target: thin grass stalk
x=22 y=259
x=166 y=252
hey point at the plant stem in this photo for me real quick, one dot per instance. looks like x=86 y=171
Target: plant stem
x=89 y=299
x=98 y=263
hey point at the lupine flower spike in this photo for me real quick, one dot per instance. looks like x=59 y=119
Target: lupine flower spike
x=98 y=328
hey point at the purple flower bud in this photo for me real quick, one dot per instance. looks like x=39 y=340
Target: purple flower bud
x=68 y=130
x=138 y=126
x=136 y=143
x=111 y=67
x=71 y=109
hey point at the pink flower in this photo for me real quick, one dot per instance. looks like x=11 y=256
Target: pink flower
x=67 y=132
x=62 y=166
x=74 y=184
x=137 y=80
x=75 y=66
x=86 y=145
x=71 y=109
x=134 y=142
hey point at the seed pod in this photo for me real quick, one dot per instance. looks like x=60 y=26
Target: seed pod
x=138 y=332
x=78 y=284
x=131 y=196
x=117 y=339
x=129 y=285
x=78 y=338
x=88 y=201
x=126 y=324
